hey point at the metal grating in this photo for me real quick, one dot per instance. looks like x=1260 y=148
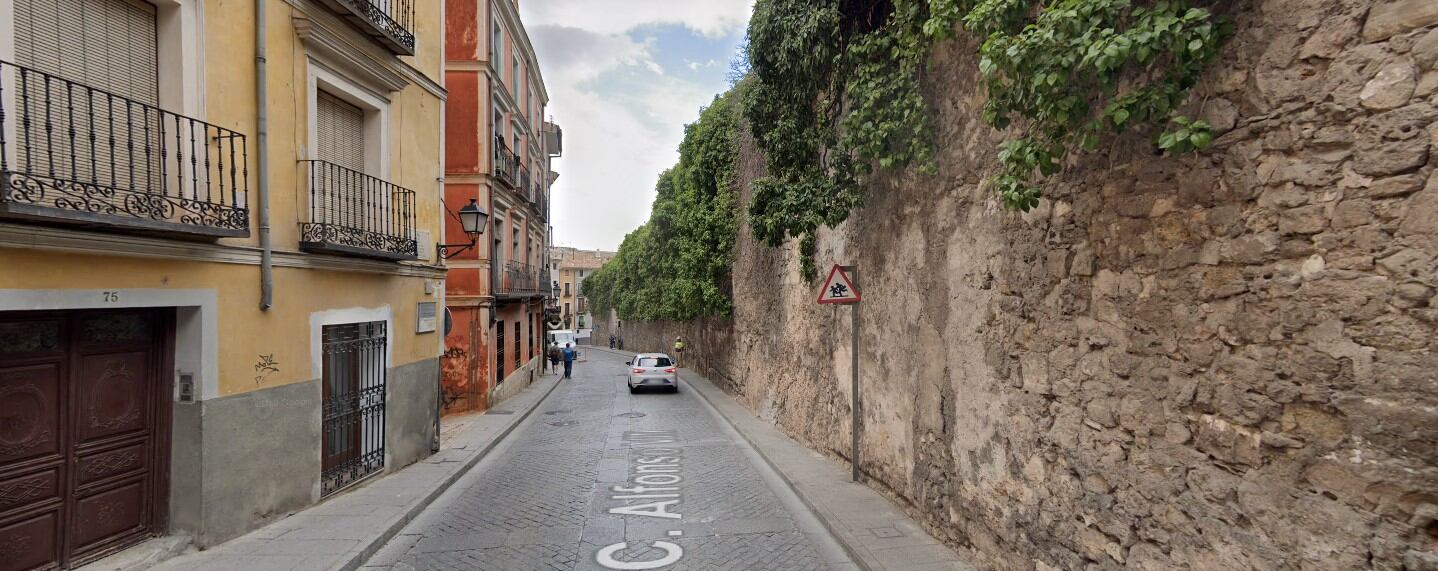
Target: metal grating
x=354 y=403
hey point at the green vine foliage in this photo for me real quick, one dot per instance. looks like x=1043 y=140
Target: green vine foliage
x=675 y=265
x=835 y=91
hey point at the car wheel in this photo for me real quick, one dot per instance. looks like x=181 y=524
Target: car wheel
x=633 y=389
x=674 y=389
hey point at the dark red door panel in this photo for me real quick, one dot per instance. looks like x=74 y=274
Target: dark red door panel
x=80 y=400
x=112 y=394
x=31 y=541
x=31 y=412
x=110 y=514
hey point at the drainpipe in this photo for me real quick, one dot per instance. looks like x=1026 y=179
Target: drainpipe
x=262 y=142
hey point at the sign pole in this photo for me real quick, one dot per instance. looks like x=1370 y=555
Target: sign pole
x=853 y=272
x=842 y=286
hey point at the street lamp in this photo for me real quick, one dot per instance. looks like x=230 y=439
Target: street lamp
x=472 y=220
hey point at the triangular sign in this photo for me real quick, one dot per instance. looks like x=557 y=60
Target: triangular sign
x=838 y=288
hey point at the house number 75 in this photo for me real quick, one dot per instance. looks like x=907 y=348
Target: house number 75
x=112 y=296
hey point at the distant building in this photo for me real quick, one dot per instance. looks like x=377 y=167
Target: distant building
x=568 y=267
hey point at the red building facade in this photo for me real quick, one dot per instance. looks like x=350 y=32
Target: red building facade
x=497 y=152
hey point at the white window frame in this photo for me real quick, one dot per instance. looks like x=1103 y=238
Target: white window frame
x=180 y=47
x=376 y=116
x=496 y=39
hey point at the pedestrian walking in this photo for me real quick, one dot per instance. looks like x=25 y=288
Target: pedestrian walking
x=678 y=351
x=554 y=356
x=569 y=354
x=612 y=338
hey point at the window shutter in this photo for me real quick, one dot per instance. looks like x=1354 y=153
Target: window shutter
x=341 y=132
x=105 y=48
x=108 y=45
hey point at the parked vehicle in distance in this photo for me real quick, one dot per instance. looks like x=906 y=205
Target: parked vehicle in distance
x=561 y=337
x=652 y=370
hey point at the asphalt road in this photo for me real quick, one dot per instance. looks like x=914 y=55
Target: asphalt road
x=598 y=478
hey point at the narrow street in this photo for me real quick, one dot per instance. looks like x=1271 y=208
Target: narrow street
x=595 y=467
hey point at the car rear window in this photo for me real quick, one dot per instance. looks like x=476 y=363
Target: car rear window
x=654 y=362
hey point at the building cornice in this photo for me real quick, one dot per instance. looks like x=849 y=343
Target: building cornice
x=23 y=237
x=336 y=41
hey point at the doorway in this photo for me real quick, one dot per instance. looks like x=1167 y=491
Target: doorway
x=84 y=433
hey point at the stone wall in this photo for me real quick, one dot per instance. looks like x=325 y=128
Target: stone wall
x=1220 y=361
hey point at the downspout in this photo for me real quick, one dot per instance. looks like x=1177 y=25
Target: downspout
x=439 y=260
x=262 y=144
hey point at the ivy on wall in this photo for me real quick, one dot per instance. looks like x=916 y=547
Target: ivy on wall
x=674 y=266
x=836 y=92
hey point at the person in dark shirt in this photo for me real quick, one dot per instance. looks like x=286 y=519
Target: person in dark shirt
x=569 y=354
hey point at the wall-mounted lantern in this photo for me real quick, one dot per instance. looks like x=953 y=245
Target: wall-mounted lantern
x=472 y=220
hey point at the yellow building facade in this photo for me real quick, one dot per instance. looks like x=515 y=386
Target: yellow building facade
x=213 y=312
x=568 y=268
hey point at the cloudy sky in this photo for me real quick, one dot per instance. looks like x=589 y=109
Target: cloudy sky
x=624 y=76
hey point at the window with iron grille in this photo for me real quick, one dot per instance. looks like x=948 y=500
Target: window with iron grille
x=518 y=356
x=499 y=354
x=354 y=403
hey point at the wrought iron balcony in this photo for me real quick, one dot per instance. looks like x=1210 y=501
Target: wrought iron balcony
x=389 y=22
x=524 y=183
x=504 y=163
x=352 y=213
x=70 y=153
x=517 y=280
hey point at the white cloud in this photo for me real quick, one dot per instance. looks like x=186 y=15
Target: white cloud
x=713 y=18
x=622 y=115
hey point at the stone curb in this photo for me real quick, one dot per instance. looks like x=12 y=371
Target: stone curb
x=374 y=545
x=856 y=555
x=232 y=554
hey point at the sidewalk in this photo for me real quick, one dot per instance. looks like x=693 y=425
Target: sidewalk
x=344 y=531
x=876 y=533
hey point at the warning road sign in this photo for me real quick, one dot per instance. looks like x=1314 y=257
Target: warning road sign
x=838 y=288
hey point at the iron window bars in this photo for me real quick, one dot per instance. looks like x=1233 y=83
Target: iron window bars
x=74 y=153
x=354 y=403
x=389 y=22
x=357 y=214
x=499 y=354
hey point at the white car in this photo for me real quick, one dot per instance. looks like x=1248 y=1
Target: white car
x=652 y=370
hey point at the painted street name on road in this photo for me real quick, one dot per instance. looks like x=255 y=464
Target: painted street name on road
x=654 y=481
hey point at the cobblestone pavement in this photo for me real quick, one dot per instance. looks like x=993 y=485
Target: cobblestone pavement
x=547 y=499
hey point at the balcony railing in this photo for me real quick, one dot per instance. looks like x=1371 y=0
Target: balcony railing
x=504 y=163
x=518 y=279
x=524 y=183
x=389 y=22
x=355 y=214
x=75 y=154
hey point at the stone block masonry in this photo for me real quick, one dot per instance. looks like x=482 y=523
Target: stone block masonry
x=1220 y=361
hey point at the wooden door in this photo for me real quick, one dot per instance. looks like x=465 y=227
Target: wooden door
x=83 y=434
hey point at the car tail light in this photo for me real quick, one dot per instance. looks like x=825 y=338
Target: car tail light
x=669 y=370
x=638 y=370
